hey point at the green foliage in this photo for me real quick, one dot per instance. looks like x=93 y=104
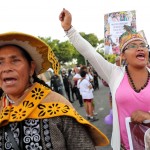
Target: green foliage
x=91 y=38
x=109 y=57
x=81 y=60
x=66 y=52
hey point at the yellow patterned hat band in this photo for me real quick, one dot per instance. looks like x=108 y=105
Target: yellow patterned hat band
x=39 y=51
x=128 y=37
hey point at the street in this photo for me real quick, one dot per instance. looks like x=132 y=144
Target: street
x=102 y=107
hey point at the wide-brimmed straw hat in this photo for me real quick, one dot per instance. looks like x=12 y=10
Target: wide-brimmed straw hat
x=40 y=52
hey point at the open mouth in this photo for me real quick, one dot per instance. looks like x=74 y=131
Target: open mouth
x=9 y=80
x=140 y=56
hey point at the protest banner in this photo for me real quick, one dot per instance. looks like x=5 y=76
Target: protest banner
x=114 y=27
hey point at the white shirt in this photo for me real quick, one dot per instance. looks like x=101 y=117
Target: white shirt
x=89 y=76
x=85 y=91
x=77 y=75
x=111 y=73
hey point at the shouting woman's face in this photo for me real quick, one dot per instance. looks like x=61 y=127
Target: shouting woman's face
x=15 y=71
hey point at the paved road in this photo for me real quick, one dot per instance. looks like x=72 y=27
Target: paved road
x=102 y=107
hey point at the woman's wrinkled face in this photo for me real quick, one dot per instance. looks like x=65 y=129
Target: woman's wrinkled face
x=15 y=71
x=136 y=53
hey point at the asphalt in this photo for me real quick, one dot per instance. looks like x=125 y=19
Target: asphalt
x=102 y=107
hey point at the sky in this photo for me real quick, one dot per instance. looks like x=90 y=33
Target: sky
x=40 y=17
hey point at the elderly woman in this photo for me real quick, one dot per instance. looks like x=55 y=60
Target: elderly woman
x=31 y=115
x=129 y=85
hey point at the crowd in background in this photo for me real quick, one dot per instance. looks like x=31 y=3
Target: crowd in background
x=67 y=84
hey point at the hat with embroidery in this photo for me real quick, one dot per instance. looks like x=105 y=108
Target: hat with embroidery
x=39 y=51
x=128 y=37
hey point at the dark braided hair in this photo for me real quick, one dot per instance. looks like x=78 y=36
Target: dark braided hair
x=26 y=55
x=36 y=79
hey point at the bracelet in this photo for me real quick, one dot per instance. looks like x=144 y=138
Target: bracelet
x=68 y=29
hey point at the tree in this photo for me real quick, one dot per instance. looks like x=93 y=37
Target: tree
x=64 y=51
x=109 y=57
x=91 y=38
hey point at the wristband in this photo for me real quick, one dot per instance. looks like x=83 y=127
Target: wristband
x=68 y=29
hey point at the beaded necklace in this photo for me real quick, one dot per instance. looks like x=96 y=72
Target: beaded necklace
x=133 y=85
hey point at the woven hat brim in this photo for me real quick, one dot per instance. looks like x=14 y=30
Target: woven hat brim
x=38 y=50
x=133 y=39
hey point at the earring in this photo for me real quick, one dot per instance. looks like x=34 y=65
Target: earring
x=123 y=62
x=31 y=80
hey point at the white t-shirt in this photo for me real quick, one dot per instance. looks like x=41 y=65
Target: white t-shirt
x=89 y=77
x=85 y=91
x=77 y=75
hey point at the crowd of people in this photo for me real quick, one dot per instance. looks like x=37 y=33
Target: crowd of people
x=36 y=115
x=73 y=90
